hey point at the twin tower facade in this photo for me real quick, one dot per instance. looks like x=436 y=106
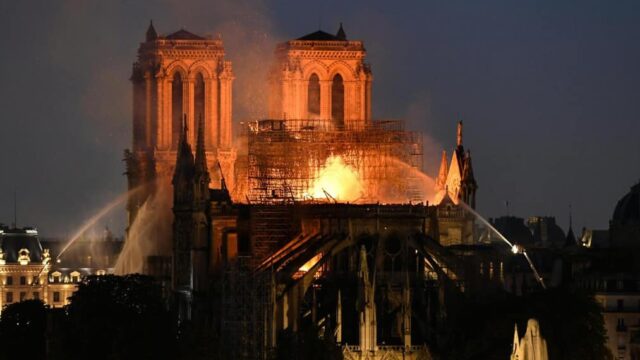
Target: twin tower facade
x=184 y=77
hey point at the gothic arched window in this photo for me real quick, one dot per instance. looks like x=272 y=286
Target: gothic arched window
x=313 y=95
x=176 y=109
x=337 y=100
x=198 y=103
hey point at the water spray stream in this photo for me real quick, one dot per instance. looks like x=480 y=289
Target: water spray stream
x=426 y=183
x=535 y=271
x=515 y=248
x=89 y=223
x=487 y=224
x=150 y=234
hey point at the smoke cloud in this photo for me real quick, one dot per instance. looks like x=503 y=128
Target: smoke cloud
x=548 y=94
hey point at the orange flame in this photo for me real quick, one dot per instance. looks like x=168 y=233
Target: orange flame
x=339 y=180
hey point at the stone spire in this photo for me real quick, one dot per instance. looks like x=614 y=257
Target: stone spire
x=201 y=170
x=441 y=181
x=515 y=349
x=406 y=306
x=185 y=167
x=467 y=168
x=341 y=35
x=468 y=183
x=532 y=346
x=366 y=306
x=201 y=156
x=459 y=147
x=151 y=32
x=571 y=237
x=183 y=242
x=363 y=268
x=454 y=177
x=223 y=182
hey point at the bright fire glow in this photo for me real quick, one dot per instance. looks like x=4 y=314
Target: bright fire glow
x=308 y=266
x=339 y=180
x=311 y=263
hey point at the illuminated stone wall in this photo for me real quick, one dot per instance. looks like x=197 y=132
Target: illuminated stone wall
x=177 y=77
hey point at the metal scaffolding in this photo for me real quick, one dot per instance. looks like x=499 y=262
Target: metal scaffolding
x=286 y=156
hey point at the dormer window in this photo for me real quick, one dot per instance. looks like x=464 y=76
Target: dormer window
x=75 y=277
x=56 y=277
x=23 y=257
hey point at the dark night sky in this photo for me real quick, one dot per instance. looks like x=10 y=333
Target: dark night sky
x=549 y=92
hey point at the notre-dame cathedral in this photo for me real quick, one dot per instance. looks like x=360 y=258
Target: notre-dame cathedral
x=255 y=253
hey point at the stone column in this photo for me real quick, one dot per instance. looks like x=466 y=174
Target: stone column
x=363 y=99
x=285 y=311
x=167 y=115
x=286 y=96
x=304 y=99
x=188 y=107
x=406 y=312
x=367 y=103
x=325 y=99
x=211 y=109
x=159 y=119
x=226 y=80
x=147 y=109
x=349 y=103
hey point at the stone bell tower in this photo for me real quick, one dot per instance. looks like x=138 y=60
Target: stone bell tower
x=321 y=76
x=178 y=75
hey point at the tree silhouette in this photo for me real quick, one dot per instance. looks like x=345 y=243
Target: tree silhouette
x=22 y=330
x=482 y=327
x=118 y=317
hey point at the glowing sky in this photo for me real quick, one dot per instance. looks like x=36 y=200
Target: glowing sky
x=549 y=92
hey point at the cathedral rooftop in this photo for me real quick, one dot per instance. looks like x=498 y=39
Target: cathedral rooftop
x=325 y=36
x=320 y=36
x=322 y=40
x=171 y=44
x=183 y=34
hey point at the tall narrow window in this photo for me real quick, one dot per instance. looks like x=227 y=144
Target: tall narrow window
x=313 y=95
x=198 y=103
x=176 y=110
x=337 y=101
